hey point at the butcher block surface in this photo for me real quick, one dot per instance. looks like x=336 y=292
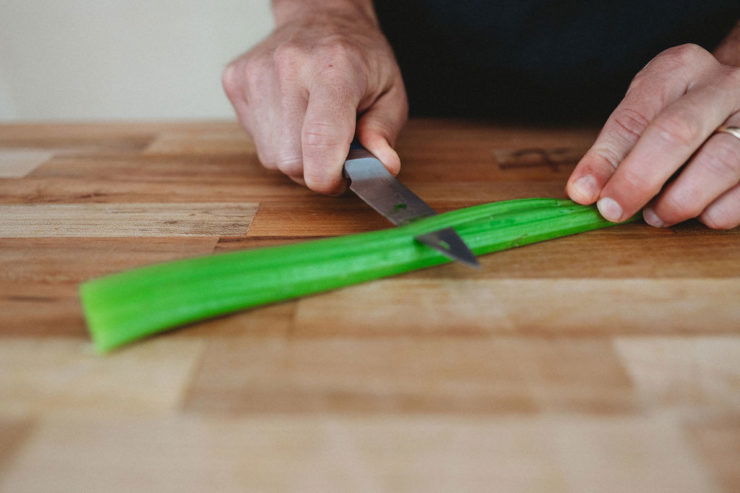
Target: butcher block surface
x=603 y=362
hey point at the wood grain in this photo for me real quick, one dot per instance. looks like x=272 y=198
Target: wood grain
x=531 y=306
x=199 y=142
x=17 y=163
x=607 y=361
x=69 y=260
x=319 y=454
x=122 y=220
x=677 y=372
x=58 y=375
x=409 y=375
x=40 y=309
x=39 y=276
x=718 y=439
x=13 y=432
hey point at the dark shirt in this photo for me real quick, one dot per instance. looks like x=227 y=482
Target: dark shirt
x=538 y=59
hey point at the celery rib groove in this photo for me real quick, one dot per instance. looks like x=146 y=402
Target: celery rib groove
x=124 y=307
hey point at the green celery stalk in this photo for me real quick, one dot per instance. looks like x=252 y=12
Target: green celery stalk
x=124 y=307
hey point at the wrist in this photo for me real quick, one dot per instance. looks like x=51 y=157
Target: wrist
x=285 y=11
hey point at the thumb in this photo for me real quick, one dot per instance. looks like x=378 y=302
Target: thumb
x=379 y=126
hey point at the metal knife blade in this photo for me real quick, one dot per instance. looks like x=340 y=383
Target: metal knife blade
x=378 y=188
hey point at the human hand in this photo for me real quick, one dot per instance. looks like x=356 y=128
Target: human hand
x=304 y=92
x=666 y=122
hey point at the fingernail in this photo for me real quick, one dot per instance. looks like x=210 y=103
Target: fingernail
x=585 y=188
x=610 y=209
x=652 y=218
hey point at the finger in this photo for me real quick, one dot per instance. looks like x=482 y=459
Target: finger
x=711 y=172
x=724 y=213
x=287 y=102
x=666 y=144
x=286 y=130
x=233 y=82
x=298 y=180
x=663 y=81
x=327 y=132
x=380 y=125
x=255 y=118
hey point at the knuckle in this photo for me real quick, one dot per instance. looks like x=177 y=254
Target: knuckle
x=256 y=70
x=288 y=57
x=630 y=123
x=339 y=86
x=288 y=53
x=722 y=158
x=677 y=209
x=290 y=165
x=608 y=154
x=679 y=130
x=638 y=81
x=338 y=49
x=230 y=82
x=652 y=90
x=320 y=135
x=637 y=186
x=690 y=51
x=684 y=54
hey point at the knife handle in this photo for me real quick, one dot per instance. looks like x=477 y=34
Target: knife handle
x=357 y=151
x=355 y=145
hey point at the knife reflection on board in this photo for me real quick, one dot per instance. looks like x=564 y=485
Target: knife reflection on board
x=378 y=188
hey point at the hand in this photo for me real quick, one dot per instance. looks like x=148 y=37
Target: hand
x=301 y=92
x=666 y=122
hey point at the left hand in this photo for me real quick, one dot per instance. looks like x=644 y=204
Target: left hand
x=666 y=122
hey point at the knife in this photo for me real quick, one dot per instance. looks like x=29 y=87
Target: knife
x=379 y=189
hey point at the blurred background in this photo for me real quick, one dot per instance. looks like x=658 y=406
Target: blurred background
x=113 y=59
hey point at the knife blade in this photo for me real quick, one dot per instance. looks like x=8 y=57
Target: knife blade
x=378 y=188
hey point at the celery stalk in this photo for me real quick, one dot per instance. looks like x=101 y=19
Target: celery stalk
x=124 y=307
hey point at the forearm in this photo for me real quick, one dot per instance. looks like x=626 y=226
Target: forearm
x=288 y=10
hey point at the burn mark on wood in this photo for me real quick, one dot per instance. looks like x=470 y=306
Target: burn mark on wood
x=537 y=157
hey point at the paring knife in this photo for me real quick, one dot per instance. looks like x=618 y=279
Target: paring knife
x=375 y=185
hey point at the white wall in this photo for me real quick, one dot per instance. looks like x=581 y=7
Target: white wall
x=122 y=59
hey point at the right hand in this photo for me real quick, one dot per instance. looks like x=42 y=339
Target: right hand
x=306 y=90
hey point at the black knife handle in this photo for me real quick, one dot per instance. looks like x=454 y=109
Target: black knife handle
x=355 y=145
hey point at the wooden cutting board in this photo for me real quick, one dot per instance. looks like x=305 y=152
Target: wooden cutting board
x=607 y=361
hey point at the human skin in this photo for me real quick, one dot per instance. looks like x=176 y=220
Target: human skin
x=324 y=75
x=327 y=73
x=665 y=123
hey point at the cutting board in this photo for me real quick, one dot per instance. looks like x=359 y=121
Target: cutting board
x=606 y=361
